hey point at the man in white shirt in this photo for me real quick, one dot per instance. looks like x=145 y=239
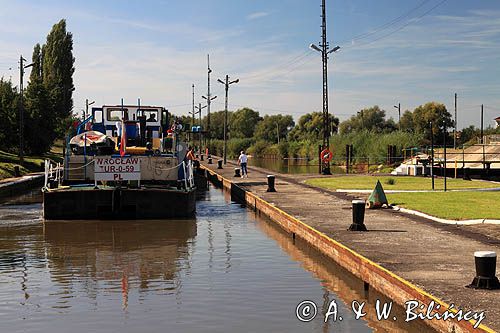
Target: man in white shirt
x=242 y=161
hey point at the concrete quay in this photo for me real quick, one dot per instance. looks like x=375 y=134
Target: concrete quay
x=403 y=257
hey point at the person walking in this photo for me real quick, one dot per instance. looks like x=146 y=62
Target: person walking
x=242 y=161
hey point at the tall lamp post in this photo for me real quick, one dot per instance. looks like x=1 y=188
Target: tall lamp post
x=399 y=114
x=324 y=50
x=87 y=104
x=22 y=67
x=226 y=84
x=199 y=108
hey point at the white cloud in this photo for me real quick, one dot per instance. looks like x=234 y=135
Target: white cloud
x=257 y=15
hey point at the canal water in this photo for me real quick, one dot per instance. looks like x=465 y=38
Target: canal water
x=228 y=270
x=291 y=166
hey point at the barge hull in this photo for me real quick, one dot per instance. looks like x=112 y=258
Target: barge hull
x=98 y=204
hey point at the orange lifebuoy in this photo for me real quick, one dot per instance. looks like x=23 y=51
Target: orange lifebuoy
x=326 y=155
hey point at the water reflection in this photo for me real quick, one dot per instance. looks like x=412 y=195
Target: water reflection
x=339 y=284
x=225 y=271
x=143 y=251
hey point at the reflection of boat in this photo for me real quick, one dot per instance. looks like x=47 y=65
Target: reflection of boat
x=146 y=178
x=107 y=250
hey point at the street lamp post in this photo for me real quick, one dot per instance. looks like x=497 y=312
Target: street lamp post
x=226 y=84
x=399 y=114
x=87 y=104
x=324 y=50
x=22 y=67
x=199 y=108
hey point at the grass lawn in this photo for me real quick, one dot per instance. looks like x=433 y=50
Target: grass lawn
x=451 y=205
x=400 y=183
x=31 y=163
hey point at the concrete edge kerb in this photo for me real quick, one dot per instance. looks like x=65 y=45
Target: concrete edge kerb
x=445 y=221
x=362 y=267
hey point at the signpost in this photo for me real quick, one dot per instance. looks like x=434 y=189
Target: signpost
x=117 y=169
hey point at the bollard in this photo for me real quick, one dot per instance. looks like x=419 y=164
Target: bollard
x=486 y=263
x=201 y=157
x=219 y=164
x=197 y=157
x=17 y=171
x=237 y=172
x=210 y=160
x=270 y=183
x=358 y=216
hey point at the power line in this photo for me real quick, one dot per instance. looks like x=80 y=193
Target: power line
x=385 y=25
x=418 y=18
x=282 y=67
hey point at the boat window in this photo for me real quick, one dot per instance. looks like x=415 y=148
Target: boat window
x=116 y=114
x=151 y=115
x=98 y=116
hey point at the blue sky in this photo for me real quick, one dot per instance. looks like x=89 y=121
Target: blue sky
x=411 y=52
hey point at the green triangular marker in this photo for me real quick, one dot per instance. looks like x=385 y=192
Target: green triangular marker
x=377 y=198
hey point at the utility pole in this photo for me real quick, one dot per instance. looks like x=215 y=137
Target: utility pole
x=278 y=132
x=399 y=114
x=444 y=145
x=482 y=135
x=192 y=112
x=87 y=104
x=199 y=108
x=481 y=140
x=226 y=84
x=209 y=97
x=22 y=67
x=432 y=155
x=324 y=50
x=455 y=127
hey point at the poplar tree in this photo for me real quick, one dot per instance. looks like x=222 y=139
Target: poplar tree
x=57 y=70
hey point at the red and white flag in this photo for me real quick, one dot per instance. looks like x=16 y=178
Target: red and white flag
x=123 y=141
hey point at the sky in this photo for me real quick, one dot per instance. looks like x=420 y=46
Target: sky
x=409 y=52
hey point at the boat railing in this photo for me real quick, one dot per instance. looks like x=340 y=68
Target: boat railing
x=188 y=174
x=53 y=173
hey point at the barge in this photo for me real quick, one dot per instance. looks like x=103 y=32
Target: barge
x=125 y=162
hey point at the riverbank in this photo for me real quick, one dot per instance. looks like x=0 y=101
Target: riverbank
x=10 y=161
x=426 y=261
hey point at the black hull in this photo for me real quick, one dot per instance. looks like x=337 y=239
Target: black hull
x=115 y=203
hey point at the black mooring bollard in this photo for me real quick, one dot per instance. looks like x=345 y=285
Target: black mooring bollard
x=210 y=160
x=219 y=164
x=201 y=157
x=17 y=171
x=486 y=264
x=237 y=172
x=358 y=216
x=270 y=183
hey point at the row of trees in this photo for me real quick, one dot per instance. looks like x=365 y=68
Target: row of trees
x=47 y=99
x=247 y=129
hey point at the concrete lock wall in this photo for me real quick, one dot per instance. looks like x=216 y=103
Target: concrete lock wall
x=376 y=276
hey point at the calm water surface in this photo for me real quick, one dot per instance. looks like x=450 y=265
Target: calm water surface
x=225 y=271
x=290 y=166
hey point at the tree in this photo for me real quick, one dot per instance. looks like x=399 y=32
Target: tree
x=371 y=119
x=243 y=123
x=57 y=70
x=310 y=127
x=8 y=114
x=407 y=122
x=437 y=114
x=40 y=132
x=36 y=69
x=217 y=124
x=271 y=126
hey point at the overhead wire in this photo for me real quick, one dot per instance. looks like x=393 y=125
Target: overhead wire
x=412 y=21
x=385 y=25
